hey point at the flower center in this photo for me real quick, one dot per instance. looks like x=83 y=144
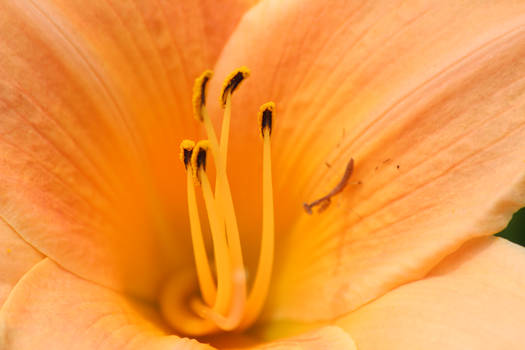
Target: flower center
x=224 y=303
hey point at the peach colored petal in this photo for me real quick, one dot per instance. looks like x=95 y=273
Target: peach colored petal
x=427 y=97
x=94 y=99
x=472 y=300
x=53 y=309
x=329 y=337
x=16 y=258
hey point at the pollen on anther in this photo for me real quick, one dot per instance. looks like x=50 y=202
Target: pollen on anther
x=266 y=118
x=198 y=158
x=186 y=149
x=232 y=82
x=199 y=93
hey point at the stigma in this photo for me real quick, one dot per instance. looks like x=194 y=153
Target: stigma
x=224 y=301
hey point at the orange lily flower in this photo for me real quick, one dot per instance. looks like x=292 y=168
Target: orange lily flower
x=426 y=97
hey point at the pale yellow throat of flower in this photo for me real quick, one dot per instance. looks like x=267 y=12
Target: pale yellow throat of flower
x=224 y=302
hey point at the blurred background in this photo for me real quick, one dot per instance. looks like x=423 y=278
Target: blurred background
x=515 y=230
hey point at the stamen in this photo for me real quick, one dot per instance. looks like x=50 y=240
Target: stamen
x=230 y=84
x=224 y=198
x=204 y=275
x=264 y=269
x=221 y=251
x=325 y=201
x=223 y=193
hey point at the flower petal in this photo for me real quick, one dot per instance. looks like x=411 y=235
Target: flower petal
x=53 y=309
x=94 y=99
x=472 y=300
x=429 y=100
x=311 y=337
x=329 y=337
x=16 y=258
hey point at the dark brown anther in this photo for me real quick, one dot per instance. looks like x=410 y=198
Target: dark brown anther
x=201 y=159
x=187 y=157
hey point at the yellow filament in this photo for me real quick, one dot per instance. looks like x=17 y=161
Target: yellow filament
x=221 y=251
x=263 y=276
x=225 y=130
x=212 y=137
x=205 y=278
